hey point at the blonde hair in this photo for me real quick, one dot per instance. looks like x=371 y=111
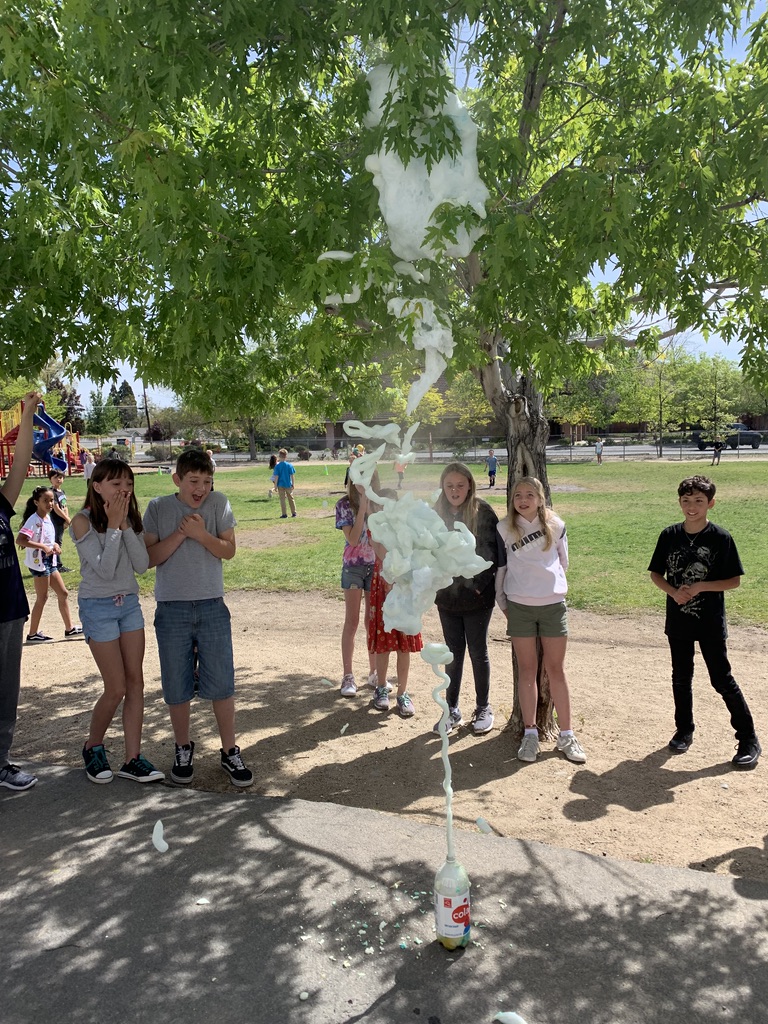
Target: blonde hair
x=544 y=514
x=468 y=510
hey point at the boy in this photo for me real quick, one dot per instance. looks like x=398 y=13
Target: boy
x=14 y=607
x=188 y=535
x=59 y=513
x=694 y=563
x=283 y=477
x=493 y=464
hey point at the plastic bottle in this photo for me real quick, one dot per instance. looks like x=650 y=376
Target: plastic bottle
x=452 y=905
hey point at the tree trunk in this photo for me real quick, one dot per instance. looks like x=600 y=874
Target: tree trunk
x=251 y=441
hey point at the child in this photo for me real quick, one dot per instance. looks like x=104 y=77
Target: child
x=60 y=514
x=283 y=478
x=188 y=535
x=694 y=563
x=14 y=607
x=107 y=536
x=41 y=557
x=599 y=451
x=272 y=464
x=381 y=642
x=493 y=464
x=356 y=575
x=209 y=453
x=531 y=589
x=88 y=466
x=400 y=468
x=466 y=606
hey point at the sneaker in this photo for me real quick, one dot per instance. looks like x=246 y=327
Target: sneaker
x=75 y=631
x=38 y=638
x=680 y=742
x=12 y=777
x=183 y=770
x=454 y=721
x=348 y=686
x=529 y=748
x=373 y=681
x=64 y=568
x=140 y=770
x=747 y=753
x=572 y=749
x=381 y=698
x=96 y=764
x=482 y=721
x=234 y=766
x=405 y=706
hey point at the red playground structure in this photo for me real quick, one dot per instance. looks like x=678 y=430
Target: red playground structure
x=55 y=445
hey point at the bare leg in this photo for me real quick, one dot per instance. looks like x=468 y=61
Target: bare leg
x=61 y=592
x=224 y=710
x=109 y=661
x=403 y=667
x=381 y=664
x=366 y=620
x=132 y=650
x=180 y=722
x=352 y=601
x=41 y=596
x=527 y=666
x=554 y=663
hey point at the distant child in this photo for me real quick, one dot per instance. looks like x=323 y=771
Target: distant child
x=41 y=556
x=60 y=514
x=356 y=575
x=599 y=451
x=492 y=464
x=694 y=563
x=14 y=607
x=466 y=606
x=718 y=449
x=400 y=468
x=88 y=466
x=272 y=464
x=531 y=589
x=188 y=535
x=382 y=643
x=107 y=535
x=209 y=453
x=283 y=478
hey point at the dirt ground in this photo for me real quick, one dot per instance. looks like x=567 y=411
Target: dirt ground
x=631 y=800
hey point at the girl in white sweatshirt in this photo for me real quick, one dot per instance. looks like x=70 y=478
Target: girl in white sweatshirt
x=531 y=589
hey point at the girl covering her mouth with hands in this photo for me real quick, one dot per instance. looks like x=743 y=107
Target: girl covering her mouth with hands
x=107 y=536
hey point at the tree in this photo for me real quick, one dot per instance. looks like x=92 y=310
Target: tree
x=718 y=390
x=466 y=400
x=102 y=417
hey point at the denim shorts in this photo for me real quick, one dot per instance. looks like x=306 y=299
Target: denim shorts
x=105 y=618
x=48 y=568
x=186 y=627
x=525 y=620
x=357 y=577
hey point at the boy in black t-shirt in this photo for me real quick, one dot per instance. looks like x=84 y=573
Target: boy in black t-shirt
x=694 y=563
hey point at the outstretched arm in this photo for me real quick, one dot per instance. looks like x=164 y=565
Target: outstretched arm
x=23 y=453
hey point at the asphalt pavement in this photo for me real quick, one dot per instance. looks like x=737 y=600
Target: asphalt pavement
x=272 y=911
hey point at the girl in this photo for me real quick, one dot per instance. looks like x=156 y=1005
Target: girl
x=466 y=606
x=531 y=589
x=356 y=574
x=38 y=537
x=381 y=643
x=88 y=466
x=272 y=464
x=107 y=535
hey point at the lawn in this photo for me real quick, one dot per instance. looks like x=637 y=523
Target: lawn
x=614 y=514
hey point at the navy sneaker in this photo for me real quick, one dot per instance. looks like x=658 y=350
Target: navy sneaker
x=96 y=765
x=140 y=770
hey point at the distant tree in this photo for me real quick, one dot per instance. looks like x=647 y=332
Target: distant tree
x=430 y=410
x=126 y=405
x=102 y=417
x=465 y=399
x=70 y=410
x=718 y=388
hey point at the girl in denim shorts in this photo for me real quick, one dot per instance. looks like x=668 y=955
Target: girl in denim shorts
x=356 y=575
x=107 y=536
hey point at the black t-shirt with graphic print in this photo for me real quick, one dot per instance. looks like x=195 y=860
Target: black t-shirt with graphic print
x=684 y=557
x=13 y=598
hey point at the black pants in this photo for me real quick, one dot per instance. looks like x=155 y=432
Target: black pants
x=462 y=631
x=715 y=655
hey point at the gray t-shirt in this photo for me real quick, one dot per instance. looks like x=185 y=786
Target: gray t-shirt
x=109 y=561
x=191 y=573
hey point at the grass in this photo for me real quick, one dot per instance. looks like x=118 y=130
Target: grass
x=614 y=515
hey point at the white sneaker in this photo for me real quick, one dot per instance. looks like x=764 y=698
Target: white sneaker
x=381 y=698
x=454 y=721
x=572 y=749
x=483 y=720
x=348 y=686
x=529 y=748
x=373 y=682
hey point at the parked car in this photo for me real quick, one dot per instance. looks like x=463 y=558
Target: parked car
x=735 y=434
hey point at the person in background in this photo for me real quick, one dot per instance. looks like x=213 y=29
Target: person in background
x=599 y=451
x=14 y=607
x=88 y=466
x=492 y=464
x=60 y=513
x=209 y=453
x=283 y=478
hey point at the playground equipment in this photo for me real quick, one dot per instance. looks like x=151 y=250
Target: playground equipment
x=50 y=435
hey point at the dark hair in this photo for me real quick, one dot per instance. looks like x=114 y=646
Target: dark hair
x=697 y=483
x=54 y=472
x=272 y=460
x=193 y=460
x=109 y=469
x=31 y=507
x=354 y=495
x=468 y=510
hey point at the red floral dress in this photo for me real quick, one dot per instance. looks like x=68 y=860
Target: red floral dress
x=379 y=640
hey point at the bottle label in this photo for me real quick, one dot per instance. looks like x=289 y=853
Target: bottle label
x=452 y=915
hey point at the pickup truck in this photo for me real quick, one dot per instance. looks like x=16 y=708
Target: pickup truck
x=734 y=434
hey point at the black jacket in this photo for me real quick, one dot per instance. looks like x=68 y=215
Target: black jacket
x=479 y=593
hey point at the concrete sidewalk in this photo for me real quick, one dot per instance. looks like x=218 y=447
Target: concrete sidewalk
x=337 y=903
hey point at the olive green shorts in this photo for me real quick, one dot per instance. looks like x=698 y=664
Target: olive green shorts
x=537 y=620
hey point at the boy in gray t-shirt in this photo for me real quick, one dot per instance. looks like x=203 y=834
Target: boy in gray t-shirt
x=188 y=535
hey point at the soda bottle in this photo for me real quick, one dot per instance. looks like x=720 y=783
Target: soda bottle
x=452 y=905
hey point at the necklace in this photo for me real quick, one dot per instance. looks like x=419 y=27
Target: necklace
x=693 y=537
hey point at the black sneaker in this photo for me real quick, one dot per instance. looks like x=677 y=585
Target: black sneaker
x=96 y=764
x=183 y=769
x=680 y=742
x=75 y=631
x=234 y=766
x=140 y=770
x=38 y=638
x=747 y=753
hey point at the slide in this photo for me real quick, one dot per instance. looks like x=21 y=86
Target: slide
x=42 y=446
